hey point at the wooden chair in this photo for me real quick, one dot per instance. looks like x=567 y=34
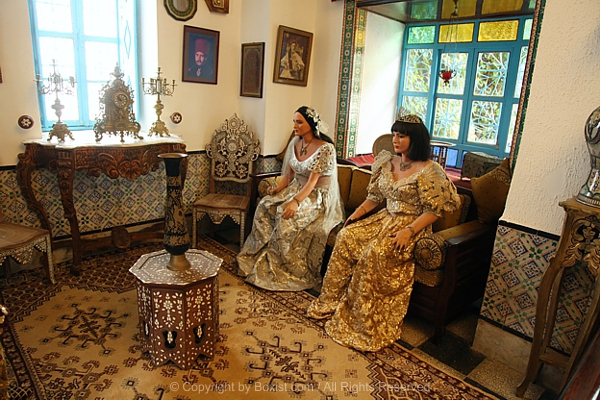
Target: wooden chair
x=383 y=142
x=233 y=151
x=19 y=241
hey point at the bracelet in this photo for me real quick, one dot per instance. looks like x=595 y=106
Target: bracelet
x=411 y=229
x=364 y=209
x=296 y=201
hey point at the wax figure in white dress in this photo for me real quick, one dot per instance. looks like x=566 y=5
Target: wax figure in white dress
x=285 y=249
x=370 y=275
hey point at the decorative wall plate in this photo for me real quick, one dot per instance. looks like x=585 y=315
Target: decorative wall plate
x=221 y=6
x=181 y=10
x=176 y=118
x=25 y=121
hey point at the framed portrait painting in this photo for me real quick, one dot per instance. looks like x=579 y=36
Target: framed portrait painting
x=292 y=56
x=253 y=57
x=200 y=55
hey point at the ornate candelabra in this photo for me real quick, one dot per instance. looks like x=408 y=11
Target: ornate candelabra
x=158 y=86
x=56 y=85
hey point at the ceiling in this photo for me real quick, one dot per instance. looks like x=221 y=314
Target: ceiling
x=406 y=11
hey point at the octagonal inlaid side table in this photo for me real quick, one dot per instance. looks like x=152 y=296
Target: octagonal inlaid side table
x=178 y=310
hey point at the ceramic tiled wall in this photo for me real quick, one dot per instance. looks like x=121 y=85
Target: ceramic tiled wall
x=102 y=202
x=518 y=264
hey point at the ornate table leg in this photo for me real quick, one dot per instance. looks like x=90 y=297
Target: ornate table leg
x=579 y=246
x=549 y=288
x=25 y=167
x=65 y=184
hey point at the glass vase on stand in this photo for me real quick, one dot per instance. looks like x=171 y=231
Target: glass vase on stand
x=176 y=238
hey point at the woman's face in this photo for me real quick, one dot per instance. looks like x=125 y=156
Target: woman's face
x=401 y=142
x=301 y=127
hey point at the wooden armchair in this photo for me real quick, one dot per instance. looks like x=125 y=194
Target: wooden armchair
x=232 y=151
x=19 y=241
x=451 y=267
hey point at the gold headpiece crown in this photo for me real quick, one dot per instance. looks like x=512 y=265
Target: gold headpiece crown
x=404 y=116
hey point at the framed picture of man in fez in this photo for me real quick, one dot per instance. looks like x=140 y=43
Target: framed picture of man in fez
x=200 y=55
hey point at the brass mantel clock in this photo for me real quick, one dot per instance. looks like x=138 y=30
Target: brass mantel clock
x=116 y=109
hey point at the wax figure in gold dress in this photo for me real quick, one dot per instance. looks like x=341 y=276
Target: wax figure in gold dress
x=285 y=249
x=370 y=275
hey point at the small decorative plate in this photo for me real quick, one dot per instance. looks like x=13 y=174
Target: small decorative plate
x=176 y=118
x=25 y=121
x=181 y=10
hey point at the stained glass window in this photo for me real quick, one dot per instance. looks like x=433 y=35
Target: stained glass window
x=418 y=70
x=447 y=118
x=456 y=62
x=416 y=105
x=496 y=6
x=511 y=127
x=424 y=10
x=476 y=109
x=463 y=33
x=498 y=31
x=421 y=34
x=490 y=78
x=521 y=71
x=484 y=122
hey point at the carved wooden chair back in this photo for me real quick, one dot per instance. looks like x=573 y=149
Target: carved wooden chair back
x=383 y=142
x=232 y=151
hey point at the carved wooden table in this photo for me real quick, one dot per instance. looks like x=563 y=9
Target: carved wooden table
x=129 y=160
x=178 y=310
x=579 y=246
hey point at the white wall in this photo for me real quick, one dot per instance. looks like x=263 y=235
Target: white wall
x=553 y=162
x=326 y=60
x=380 y=80
x=18 y=92
x=253 y=109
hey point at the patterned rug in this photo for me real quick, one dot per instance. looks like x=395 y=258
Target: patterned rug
x=79 y=339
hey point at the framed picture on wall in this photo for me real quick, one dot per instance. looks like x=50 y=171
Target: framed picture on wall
x=292 y=56
x=253 y=58
x=200 y=55
x=221 y=6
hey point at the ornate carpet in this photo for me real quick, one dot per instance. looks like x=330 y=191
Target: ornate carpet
x=79 y=339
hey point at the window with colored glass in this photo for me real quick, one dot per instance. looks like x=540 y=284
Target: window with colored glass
x=465 y=78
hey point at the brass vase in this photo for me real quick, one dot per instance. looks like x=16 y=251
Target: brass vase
x=176 y=239
x=590 y=192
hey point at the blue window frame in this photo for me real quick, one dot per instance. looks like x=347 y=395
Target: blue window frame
x=86 y=40
x=476 y=109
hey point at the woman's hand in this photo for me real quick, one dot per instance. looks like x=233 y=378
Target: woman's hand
x=271 y=190
x=401 y=239
x=290 y=209
x=355 y=216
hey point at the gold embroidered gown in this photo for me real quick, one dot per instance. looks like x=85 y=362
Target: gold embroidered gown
x=368 y=285
x=287 y=254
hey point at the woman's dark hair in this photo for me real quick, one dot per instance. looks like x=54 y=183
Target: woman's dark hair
x=419 y=139
x=313 y=123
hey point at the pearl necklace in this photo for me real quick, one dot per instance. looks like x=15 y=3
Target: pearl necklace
x=303 y=148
